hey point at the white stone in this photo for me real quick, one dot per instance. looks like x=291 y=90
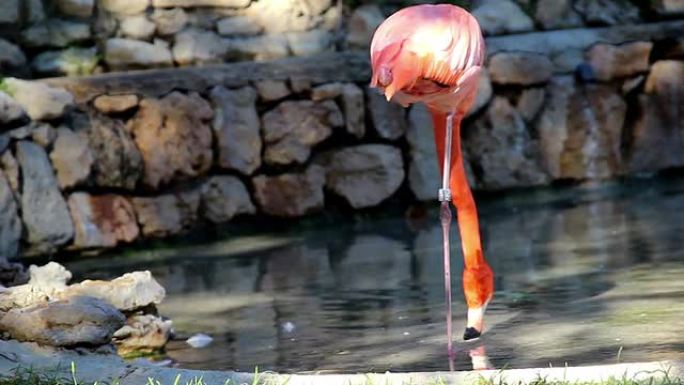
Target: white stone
x=238 y=25
x=362 y=24
x=10 y=110
x=124 y=7
x=137 y=27
x=196 y=47
x=124 y=53
x=501 y=16
x=310 y=42
x=39 y=100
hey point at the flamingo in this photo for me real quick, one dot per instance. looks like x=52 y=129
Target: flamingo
x=433 y=54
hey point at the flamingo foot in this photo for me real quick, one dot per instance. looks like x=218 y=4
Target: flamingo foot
x=475 y=325
x=471 y=334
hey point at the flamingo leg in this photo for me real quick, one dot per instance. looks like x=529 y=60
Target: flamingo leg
x=445 y=219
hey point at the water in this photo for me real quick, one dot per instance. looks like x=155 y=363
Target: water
x=583 y=276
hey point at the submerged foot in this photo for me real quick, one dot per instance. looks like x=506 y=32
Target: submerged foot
x=471 y=334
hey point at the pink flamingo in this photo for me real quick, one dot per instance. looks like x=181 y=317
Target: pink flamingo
x=433 y=54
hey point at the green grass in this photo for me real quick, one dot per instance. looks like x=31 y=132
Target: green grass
x=24 y=376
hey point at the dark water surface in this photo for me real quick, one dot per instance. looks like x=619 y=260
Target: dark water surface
x=583 y=276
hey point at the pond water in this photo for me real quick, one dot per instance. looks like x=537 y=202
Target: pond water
x=583 y=275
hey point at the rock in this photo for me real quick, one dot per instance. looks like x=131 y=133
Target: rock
x=118 y=163
x=137 y=27
x=611 y=61
x=236 y=128
x=127 y=53
x=11 y=167
x=519 y=68
x=11 y=56
x=270 y=90
x=668 y=7
x=196 y=47
x=503 y=149
x=553 y=123
x=12 y=274
x=365 y=175
x=113 y=104
x=72 y=322
x=44 y=211
x=77 y=8
x=567 y=61
x=556 y=14
x=276 y=17
x=300 y=84
x=169 y=21
x=174 y=137
x=131 y=291
x=10 y=110
x=166 y=214
x=40 y=101
x=10 y=225
x=310 y=42
x=423 y=176
x=530 y=102
x=656 y=135
x=352 y=103
x=50 y=278
x=200 y=3
x=34 y=11
x=294 y=127
x=265 y=47
x=224 y=197
x=388 y=118
x=72 y=158
x=362 y=24
x=22 y=132
x=56 y=33
x=143 y=333
x=291 y=194
x=102 y=220
x=10 y=12
x=124 y=7
x=501 y=16
x=484 y=93
x=69 y=62
x=607 y=12
x=43 y=134
x=237 y=25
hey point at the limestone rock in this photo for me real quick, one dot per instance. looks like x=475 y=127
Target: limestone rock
x=169 y=21
x=607 y=12
x=129 y=292
x=388 y=118
x=77 y=8
x=352 y=103
x=270 y=90
x=72 y=322
x=224 y=197
x=292 y=194
x=519 y=68
x=68 y=62
x=40 y=101
x=365 y=175
x=504 y=150
x=50 y=278
x=656 y=136
x=10 y=110
x=196 y=47
x=112 y=104
x=43 y=134
x=362 y=24
x=530 y=103
x=72 y=158
x=44 y=210
x=124 y=7
x=56 y=33
x=236 y=128
x=310 y=42
x=238 y=25
x=10 y=225
x=174 y=137
x=265 y=47
x=118 y=163
x=553 y=123
x=484 y=93
x=556 y=14
x=294 y=127
x=276 y=18
x=143 y=333
x=668 y=7
x=127 y=53
x=501 y=16
x=137 y=27
x=610 y=61
x=423 y=176
x=166 y=214
x=11 y=168
x=10 y=12
x=200 y=3
x=102 y=220
x=11 y=56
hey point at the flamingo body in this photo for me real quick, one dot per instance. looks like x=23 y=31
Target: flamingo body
x=433 y=54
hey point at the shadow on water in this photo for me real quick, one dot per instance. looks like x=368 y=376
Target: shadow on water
x=584 y=275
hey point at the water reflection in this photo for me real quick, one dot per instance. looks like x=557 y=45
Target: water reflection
x=579 y=278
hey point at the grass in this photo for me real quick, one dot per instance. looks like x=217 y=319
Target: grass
x=27 y=376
